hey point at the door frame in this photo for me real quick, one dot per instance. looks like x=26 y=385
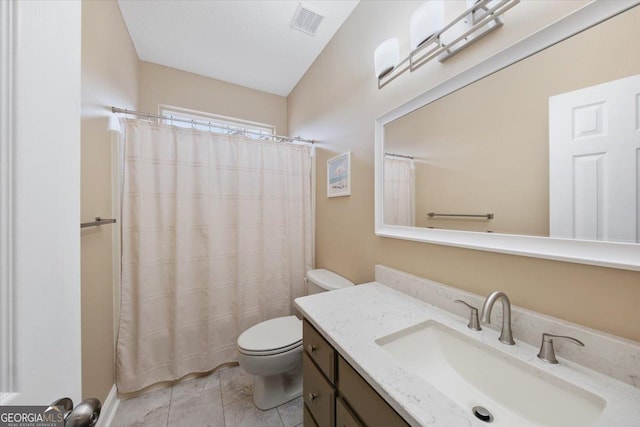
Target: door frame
x=7 y=325
x=40 y=352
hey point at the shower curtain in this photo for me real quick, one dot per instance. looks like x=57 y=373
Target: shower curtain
x=398 y=191
x=216 y=237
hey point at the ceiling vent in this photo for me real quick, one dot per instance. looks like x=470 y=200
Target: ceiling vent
x=306 y=20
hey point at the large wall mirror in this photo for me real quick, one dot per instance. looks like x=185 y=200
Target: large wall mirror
x=536 y=151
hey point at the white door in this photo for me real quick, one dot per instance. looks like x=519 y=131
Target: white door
x=594 y=161
x=40 y=358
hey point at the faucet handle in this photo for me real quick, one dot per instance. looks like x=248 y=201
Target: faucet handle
x=473 y=324
x=547 y=352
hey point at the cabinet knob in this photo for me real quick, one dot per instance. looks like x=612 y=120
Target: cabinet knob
x=311 y=348
x=312 y=396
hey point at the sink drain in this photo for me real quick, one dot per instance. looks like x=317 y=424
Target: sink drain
x=482 y=414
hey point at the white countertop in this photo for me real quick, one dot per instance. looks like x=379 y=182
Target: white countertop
x=351 y=319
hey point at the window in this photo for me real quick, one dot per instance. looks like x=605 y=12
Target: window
x=215 y=123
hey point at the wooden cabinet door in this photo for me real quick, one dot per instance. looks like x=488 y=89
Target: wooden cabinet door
x=344 y=416
x=365 y=402
x=318 y=394
x=319 y=350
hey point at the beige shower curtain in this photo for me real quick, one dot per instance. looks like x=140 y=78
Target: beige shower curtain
x=216 y=237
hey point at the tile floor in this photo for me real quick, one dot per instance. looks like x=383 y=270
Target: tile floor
x=222 y=399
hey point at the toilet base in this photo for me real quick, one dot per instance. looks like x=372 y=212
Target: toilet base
x=274 y=390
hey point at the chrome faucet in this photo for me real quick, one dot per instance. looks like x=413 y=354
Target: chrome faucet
x=506 y=337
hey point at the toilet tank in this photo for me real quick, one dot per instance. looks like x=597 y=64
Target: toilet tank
x=322 y=280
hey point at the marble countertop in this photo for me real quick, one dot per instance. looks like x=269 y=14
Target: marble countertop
x=351 y=319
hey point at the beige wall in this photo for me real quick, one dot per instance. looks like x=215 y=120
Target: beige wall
x=337 y=102
x=497 y=161
x=109 y=77
x=169 y=86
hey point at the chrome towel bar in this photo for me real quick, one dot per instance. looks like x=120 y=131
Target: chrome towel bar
x=97 y=222
x=487 y=215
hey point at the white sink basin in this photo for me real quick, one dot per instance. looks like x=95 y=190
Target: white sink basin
x=474 y=374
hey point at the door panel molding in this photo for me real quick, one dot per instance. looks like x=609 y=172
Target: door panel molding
x=588 y=196
x=7 y=323
x=40 y=245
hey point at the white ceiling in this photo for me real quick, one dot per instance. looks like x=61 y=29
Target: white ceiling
x=249 y=43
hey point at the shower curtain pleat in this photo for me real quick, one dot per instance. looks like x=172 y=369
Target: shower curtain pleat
x=216 y=237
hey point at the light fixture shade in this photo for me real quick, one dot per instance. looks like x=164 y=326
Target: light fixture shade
x=386 y=56
x=425 y=21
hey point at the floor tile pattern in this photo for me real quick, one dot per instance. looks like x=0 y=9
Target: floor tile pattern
x=222 y=399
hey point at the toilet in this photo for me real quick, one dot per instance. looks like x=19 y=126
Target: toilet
x=272 y=350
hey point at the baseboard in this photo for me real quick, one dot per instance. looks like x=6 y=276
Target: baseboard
x=109 y=408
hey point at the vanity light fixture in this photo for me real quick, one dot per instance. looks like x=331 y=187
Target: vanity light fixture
x=425 y=22
x=431 y=38
x=386 y=57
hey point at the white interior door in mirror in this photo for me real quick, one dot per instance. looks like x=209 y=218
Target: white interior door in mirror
x=594 y=161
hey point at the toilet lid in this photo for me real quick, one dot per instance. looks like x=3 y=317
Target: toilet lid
x=272 y=334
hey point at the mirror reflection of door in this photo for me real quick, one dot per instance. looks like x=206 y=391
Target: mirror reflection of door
x=594 y=161
x=399 y=188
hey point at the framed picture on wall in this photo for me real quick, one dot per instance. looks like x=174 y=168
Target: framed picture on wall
x=339 y=175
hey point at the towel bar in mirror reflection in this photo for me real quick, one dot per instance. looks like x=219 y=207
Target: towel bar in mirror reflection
x=485 y=216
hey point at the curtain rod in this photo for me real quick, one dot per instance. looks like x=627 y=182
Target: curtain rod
x=209 y=124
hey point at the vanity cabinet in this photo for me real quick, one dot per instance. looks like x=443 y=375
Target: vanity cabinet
x=334 y=393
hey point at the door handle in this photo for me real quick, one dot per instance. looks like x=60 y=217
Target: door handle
x=86 y=414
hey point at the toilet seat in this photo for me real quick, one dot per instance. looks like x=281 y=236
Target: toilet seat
x=270 y=352
x=271 y=337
